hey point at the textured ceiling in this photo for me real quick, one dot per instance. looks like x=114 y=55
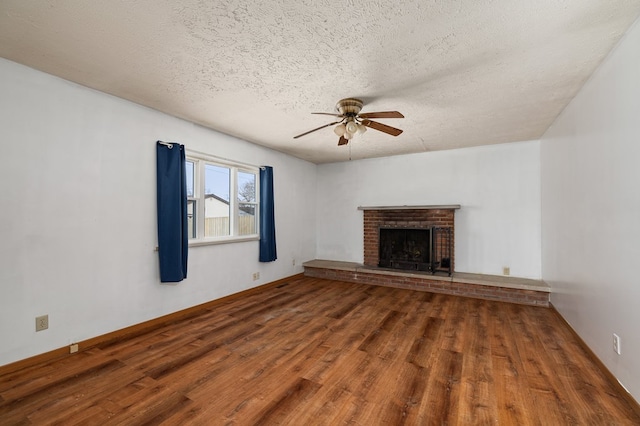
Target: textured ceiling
x=464 y=73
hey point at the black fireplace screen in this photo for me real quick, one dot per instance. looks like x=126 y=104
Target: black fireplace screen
x=418 y=249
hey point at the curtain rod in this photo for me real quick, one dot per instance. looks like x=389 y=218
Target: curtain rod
x=167 y=144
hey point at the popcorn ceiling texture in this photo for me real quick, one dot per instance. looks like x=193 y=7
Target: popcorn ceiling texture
x=464 y=73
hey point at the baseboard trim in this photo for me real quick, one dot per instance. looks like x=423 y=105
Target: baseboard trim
x=136 y=329
x=614 y=381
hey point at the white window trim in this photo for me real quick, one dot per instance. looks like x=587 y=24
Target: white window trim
x=199 y=159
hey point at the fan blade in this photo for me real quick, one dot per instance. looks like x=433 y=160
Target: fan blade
x=381 y=114
x=382 y=127
x=317 y=128
x=328 y=113
x=343 y=141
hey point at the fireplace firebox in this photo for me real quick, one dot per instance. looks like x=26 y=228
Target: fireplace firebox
x=419 y=249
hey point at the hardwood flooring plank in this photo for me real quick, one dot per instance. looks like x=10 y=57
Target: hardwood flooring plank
x=93 y=415
x=257 y=378
x=354 y=412
x=89 y=395
x=50 y=393
x=256 y=395
x=513 y=397
x=342 y=382
x=392 y=413
x=380 y=334
x=195 y=353
x=442 y=392
x=283 y=406
x=425 y=342
x=453 y=333
x=420 y=307
x=148 y=354
x=343 y=337
x=547 y=391
x=440 y=305
x=272 y=303
x=33 y=378
x=153 y=406
x=409 y=392
x=477 y=391
x=343 y=310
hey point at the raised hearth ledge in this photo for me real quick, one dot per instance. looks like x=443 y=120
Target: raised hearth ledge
x=457 y=277
x=434 y=207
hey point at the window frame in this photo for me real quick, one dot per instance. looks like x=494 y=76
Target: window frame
x=200 y=160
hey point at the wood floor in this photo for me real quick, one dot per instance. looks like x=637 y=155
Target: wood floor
x=318 y=352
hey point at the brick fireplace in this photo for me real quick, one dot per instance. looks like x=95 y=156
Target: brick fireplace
x=417 y=217
x=507 y=289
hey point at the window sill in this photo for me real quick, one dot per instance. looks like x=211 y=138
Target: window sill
x=222 y=240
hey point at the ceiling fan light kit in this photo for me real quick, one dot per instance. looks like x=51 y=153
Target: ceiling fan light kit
x=349 y=130
x=352 y=122
x=340 y=129
x=351 y=127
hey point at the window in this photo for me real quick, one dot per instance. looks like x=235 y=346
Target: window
x=247 y=203
x=222 y=200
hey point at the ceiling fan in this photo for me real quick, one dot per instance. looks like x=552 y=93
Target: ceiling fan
x=352 y=122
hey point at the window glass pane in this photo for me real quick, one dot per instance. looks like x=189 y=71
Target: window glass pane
x=216 y=200
x=246 y=219
x=191 y=218
x=246 y=187
x=189 y=172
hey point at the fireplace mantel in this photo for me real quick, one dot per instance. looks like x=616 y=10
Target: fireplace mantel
x=405 y=207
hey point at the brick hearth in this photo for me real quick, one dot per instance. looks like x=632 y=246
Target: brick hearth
x=506 y=289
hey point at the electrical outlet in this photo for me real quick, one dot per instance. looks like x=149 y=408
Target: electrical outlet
x=616 y=344
x=73 y=348
x=42 y=323
x=506 y=270
x=256 y=276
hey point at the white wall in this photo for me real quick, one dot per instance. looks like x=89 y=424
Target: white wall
x=77 y=214
x=498 y=188
x=590 y=162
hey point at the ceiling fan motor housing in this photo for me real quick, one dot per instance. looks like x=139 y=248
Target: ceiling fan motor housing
x=349 y=107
